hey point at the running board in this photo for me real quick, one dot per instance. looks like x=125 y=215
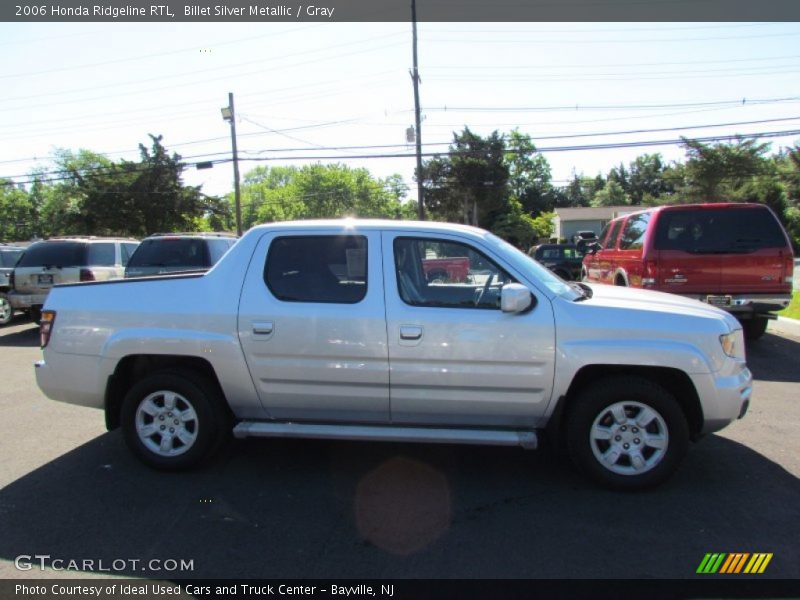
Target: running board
x=387 y=433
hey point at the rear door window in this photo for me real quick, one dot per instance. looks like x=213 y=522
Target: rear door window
x=321 y=268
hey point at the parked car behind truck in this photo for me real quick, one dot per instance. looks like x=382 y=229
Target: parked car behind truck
x=332 y=330
x=735 y=256
x=9 y=256
x=66 y=260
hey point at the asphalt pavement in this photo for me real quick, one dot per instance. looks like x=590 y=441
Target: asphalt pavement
x=316 y=509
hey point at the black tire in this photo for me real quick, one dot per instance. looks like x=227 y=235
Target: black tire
x=754 y=328
x=632 y=395
x=189 y=390
x=6 y=311
x=35 y=313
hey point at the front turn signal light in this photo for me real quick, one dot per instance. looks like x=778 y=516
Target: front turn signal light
x=728 y=342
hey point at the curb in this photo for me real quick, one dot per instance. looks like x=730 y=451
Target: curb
x=785 y=325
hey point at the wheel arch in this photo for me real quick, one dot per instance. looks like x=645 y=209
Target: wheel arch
x=133 y=368
x=675 y=381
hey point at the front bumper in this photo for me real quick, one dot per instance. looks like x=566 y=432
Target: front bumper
x=724 y=398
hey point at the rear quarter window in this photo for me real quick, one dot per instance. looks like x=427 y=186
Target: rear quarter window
x=101 y=255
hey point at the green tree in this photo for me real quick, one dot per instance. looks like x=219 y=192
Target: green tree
x=16 y=213
x=470 y=184
x=611 y=194
x=529 y=175
x=320 y=191
x=721 y=172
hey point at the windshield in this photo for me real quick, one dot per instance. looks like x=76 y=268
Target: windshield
x=535 y=271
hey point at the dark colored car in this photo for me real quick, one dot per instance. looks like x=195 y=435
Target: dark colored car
x=164 y=253
x=9 y=255
x=564 y=260
x=734 y=256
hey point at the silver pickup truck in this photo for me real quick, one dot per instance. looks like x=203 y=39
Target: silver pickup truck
x=331 y=329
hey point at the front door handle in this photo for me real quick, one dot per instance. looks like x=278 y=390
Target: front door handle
x=410 y=332
x=263 y=327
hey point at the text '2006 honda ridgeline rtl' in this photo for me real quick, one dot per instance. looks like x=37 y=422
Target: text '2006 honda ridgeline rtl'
x=333 y=329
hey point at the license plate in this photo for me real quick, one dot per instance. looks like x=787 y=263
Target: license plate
x=45 y=280
x=719 y=300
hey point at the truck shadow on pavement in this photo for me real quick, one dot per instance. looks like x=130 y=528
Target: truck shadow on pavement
x=25 y=338
x=312 y=509
x=774 y=358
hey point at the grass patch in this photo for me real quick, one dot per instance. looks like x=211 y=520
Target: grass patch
x=793 y=310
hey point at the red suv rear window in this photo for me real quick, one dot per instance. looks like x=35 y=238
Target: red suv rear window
x=729 y=230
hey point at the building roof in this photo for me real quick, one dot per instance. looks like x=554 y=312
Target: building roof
x=592 y=213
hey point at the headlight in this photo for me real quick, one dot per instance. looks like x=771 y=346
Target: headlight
x=728 y=342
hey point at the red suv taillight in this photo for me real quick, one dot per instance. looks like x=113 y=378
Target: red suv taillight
x=46 y=326
x=86 y=275
x=650 y=274
x=788 y=269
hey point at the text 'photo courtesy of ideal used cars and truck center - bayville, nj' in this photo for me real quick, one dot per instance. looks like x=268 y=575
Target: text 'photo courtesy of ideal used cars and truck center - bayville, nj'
x=401 y=299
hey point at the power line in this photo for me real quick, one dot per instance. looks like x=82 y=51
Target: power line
x=577 y=106
x=639 y=144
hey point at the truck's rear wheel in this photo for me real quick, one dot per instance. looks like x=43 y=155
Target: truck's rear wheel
x=627 y=433
x=173 y=419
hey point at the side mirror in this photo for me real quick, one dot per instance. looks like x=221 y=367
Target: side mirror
x=594 y=247
x=516 y=298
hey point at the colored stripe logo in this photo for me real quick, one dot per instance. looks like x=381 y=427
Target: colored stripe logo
x=734 y=563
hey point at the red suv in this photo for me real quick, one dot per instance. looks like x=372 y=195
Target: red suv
x=735 y=256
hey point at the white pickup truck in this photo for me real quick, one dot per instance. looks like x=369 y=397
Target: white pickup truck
x=331 y=329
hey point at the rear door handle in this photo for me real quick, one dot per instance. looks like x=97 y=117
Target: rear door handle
x=410 y=332
x=263 y=327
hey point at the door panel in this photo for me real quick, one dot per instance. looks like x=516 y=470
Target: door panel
x=468 y=363
x=317 y=360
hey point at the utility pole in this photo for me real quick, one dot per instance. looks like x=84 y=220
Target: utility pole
x=415 y=78
x=229 y=114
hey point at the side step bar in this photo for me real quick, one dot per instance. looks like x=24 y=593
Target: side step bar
x=387 y=433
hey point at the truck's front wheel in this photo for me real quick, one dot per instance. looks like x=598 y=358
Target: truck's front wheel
x=173 y=419
x=627 y=433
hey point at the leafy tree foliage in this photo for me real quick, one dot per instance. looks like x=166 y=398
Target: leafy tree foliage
x=16 y=214
x=320 y=191
x=470 y=184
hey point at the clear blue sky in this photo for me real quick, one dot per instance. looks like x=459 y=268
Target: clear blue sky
x=105 y=86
